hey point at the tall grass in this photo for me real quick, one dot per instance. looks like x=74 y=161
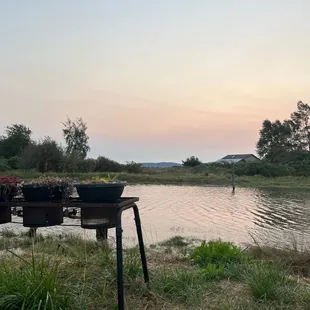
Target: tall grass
x=71 y=273
x=268 y=282
x=32 y=285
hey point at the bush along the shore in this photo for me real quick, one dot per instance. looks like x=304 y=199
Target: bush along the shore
x=71 y=273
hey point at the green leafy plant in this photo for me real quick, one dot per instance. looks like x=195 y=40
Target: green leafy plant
x=216 y=253
x=66 y=185
x=213 y=271
x=103 y=180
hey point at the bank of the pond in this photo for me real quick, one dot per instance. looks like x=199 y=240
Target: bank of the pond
x=181 y=177
x=71 y=273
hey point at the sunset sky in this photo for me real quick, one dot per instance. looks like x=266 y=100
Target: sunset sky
x=155 y=80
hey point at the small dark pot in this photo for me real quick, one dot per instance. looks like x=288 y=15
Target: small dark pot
x=42 y=193
x=42 y=217
x=7 y=196
x=92 y=217
x=100 y=192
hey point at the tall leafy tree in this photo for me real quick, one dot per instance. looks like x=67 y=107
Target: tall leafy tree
x=292 y=135
x=17 y=138
x=274 y=138
x=45 y=155
x=76 y=137
x=301 y=123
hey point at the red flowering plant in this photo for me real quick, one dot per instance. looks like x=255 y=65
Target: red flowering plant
x=9 y=187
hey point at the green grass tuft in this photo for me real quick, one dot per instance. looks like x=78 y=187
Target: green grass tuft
x=218 y=253
x=268 y=282
x=32 y=285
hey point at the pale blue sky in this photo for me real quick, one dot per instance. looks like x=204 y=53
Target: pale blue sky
x=155 y=80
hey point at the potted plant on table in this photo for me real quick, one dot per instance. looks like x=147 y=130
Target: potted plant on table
x=104 y=189
x=49 y=190
x=9 y=188
x=99 y=190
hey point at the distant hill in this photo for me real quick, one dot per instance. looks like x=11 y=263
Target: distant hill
x=161 y=165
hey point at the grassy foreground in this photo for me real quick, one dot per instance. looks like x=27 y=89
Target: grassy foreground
x=171 y=176
x=71 y=273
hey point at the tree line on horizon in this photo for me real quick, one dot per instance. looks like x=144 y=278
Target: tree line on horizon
x=19 y=151
x=284 y=147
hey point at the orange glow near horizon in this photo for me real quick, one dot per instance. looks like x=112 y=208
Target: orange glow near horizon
x=173 y=79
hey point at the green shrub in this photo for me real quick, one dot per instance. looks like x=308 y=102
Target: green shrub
x=14 y=162
x=217 y=253
x=263 y=168
x=133 y=167
x=86 y=165
x=214 y=271
x=4 y=166
x=104 y=164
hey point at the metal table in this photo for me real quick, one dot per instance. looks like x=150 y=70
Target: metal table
x=114 y=213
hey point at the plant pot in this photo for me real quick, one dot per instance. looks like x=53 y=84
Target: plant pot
x=5 y=215
x=34 y=193
x=93 y=217
x=109 y=192
x=7 y=196
x=42 y=216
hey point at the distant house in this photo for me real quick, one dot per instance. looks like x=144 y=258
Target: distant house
x=236 y=158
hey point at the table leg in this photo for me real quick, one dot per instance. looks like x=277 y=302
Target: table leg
x=141 y=244
x=32 y=232
x=101 y=234
x=119 y=253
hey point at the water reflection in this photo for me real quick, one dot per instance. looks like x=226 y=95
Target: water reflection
x=271 y=215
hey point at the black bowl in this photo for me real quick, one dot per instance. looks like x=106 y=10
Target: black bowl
x=34 y=193
x=105 y=192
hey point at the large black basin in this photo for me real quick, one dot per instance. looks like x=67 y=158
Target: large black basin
x=106 y=192
x=42 y=193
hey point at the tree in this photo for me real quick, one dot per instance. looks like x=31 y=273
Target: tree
x=76 y=137
x=301 y=122
x=44 y=156
x=191 y=162
x=51 y=155
x=30 y=157
x=274 y=137
x=16 y=140
x=279 y=140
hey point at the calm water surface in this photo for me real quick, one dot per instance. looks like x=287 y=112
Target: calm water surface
x=275 y=216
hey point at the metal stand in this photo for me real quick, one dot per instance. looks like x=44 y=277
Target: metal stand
x=119 y=252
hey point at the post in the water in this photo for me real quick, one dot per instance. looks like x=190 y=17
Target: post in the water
x=233 y=179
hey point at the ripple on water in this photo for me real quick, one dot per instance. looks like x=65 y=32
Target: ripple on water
x=271 y=215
